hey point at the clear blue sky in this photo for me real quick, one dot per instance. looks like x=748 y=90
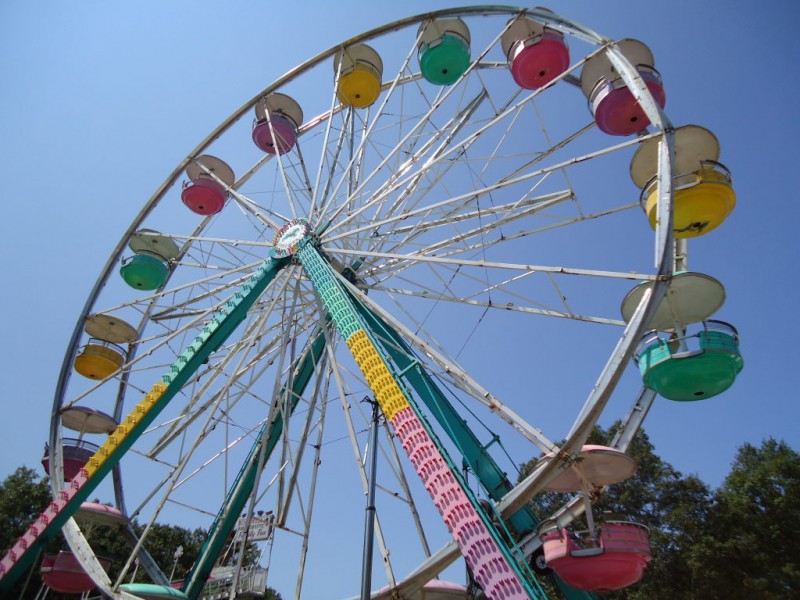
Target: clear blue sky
x=100 y=100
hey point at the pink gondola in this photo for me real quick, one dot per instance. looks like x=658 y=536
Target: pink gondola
x=537 y=61
x=616 y=110
x=204 y=196
x=615 y=560
x=206 y=193
x=536 y=54
x=63 y=573
x=275 y=126
x=75 y=454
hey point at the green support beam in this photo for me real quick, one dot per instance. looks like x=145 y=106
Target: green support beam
x=476 y=456
x=212 y=336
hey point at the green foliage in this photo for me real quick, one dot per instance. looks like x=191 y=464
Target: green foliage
x=740 y=541
x=161 y=543
x=751 y=544
x=673 y=506
x=24 y=495
x=272 y=595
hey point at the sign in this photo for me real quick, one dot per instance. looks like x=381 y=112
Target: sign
x=260 y=527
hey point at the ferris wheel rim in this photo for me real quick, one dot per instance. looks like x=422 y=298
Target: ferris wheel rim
x=660 y=277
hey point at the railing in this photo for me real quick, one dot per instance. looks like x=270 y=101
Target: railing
x=74 y=448
x=252 y=583
x=714 y=336
x=709 y=171
x=605 y=85
x=95 y=342
x=546 y=35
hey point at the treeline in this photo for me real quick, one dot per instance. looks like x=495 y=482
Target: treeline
x=24 y=494
x=739 y=541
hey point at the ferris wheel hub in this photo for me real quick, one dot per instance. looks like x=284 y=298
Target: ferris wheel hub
x=287 y=240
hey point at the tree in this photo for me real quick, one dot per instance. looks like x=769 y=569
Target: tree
x=751 y=546
x=671 y=505
x=24 y=494
x=272 y=595
x=741 y=541
x=161 y=543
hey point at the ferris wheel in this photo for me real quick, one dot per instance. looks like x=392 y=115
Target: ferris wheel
x=467 y=218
